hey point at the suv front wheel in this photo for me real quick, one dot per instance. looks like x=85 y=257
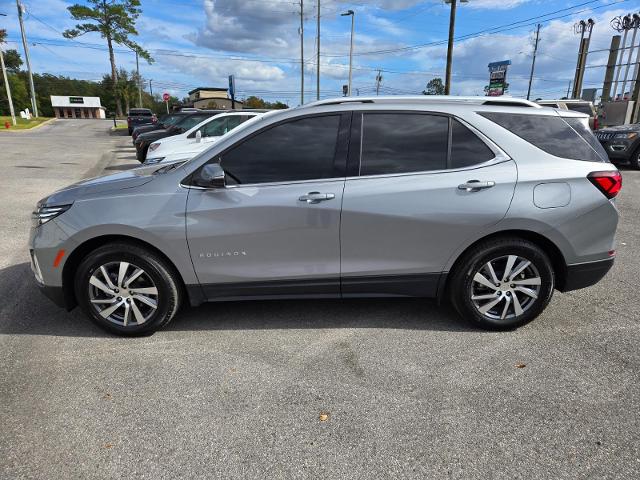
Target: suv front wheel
x=503 y=283
x=127 y=290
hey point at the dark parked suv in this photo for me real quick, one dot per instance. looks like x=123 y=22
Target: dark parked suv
x=622 y=144
x=140 y=116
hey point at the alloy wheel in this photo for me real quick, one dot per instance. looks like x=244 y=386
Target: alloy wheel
x=123 y=293
x=505 y=287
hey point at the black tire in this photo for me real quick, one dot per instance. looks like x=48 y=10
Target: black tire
x=498 y=250
x=130 y=131
x=635 y=159
x=157 y=270
x=139 y=154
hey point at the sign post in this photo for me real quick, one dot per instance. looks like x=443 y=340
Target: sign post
x=232 y=91
x=498 y=78
x=166 y=97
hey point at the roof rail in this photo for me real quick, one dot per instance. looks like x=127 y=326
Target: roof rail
x=504 y=101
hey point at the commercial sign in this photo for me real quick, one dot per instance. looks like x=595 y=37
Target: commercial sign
x=76 y=100
x=497 y=78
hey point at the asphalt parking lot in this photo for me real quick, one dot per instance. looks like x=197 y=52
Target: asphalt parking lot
x=354 y=389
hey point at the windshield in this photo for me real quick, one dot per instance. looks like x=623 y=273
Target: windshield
x=191 y=121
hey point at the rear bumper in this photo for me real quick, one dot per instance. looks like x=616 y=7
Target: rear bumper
x=585 y=274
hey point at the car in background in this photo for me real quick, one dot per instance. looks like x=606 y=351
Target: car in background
x=622 y=144
x=188 y=144
x=164 y=121
x=188 y=121
x=575 y=105
x=140 y=116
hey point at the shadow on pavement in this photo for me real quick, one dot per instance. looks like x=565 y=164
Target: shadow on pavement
x=27 y=311
x=123 y=166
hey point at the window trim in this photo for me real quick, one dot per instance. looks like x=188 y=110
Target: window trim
x=339 y=156
x=499 y=154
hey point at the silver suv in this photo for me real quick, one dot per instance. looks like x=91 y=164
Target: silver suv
x=490 y=203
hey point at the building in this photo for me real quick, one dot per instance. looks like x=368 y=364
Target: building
x=212 y=97
x=77 y=107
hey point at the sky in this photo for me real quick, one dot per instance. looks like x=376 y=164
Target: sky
x=198 y=43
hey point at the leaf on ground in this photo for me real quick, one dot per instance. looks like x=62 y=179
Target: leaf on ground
x=324 y=416
x=108 y=445
x=520 y=365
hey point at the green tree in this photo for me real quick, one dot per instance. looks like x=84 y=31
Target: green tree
x=257 y=102
x=114 y=20
x=434 y=87
x=12 y=60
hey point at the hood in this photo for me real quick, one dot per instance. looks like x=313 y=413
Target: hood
x=135 y=177
x=634 y=127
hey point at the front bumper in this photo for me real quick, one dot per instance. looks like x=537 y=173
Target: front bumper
x=55 y=294
x=585 y=274
x=619 y=150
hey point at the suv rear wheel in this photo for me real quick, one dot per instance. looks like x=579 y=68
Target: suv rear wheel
x=502 y=283
x=127 y=290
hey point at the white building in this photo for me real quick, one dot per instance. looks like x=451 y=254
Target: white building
x=77 y=107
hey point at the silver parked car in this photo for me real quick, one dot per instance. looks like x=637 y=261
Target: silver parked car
x=491 y=203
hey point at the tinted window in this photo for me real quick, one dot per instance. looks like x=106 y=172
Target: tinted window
x=220 y=126
x=189 y=122
x=403 y=142
x=549 y=133
x=298 y=150
x=466 y=148
x=140 y=113
x=580 y=107
x=588 y=136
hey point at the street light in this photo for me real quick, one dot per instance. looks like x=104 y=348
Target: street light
x=352 y=14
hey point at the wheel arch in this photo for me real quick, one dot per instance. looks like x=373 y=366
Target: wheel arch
x=556 y=257
x=82 y=250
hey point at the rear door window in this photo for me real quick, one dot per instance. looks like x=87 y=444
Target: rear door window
x=466 y=148
x=547 y=132
x=403 y=142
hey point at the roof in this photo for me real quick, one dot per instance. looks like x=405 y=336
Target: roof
x=77 y=102
x=209 y=89
x=422 y=99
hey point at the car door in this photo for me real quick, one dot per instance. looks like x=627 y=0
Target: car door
x=419 y=186
x=274 y=229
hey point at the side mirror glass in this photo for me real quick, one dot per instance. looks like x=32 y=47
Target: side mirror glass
x=210 y=176
x=198 y=136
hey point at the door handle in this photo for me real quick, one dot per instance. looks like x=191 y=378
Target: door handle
x=475 y=185
x=316 y=197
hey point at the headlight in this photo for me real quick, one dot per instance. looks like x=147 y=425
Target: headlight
x=44 y=213
x=628 y=135
x=153 y=146
x=151 y=161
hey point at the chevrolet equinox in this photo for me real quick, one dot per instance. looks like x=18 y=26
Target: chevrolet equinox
x=491 y=204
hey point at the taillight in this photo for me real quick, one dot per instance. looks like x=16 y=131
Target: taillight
x=609 y=183
x=154 y=119
x=595 y=123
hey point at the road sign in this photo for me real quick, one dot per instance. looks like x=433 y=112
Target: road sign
x=165 y=97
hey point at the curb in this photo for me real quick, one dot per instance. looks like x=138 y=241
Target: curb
x=23 y=130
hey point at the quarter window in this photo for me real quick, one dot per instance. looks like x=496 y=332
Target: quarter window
x=298 y=150
x=403 y=142
x=466 y=148
x=549 y=133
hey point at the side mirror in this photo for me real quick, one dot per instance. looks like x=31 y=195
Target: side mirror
x=198 y=136
x=210 y=176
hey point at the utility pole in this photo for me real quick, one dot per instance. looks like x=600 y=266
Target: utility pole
x=452 y=27
x=7 y=88
x=139 y=81
x=301 y=52
x=533 y=62
x=582 y=27
x=352 y=14
x=318 y=56
x=34 y=105
x=378 y=80
x=568 y=89
x=150 y=88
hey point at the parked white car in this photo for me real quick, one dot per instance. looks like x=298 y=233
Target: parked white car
x=190 y=143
